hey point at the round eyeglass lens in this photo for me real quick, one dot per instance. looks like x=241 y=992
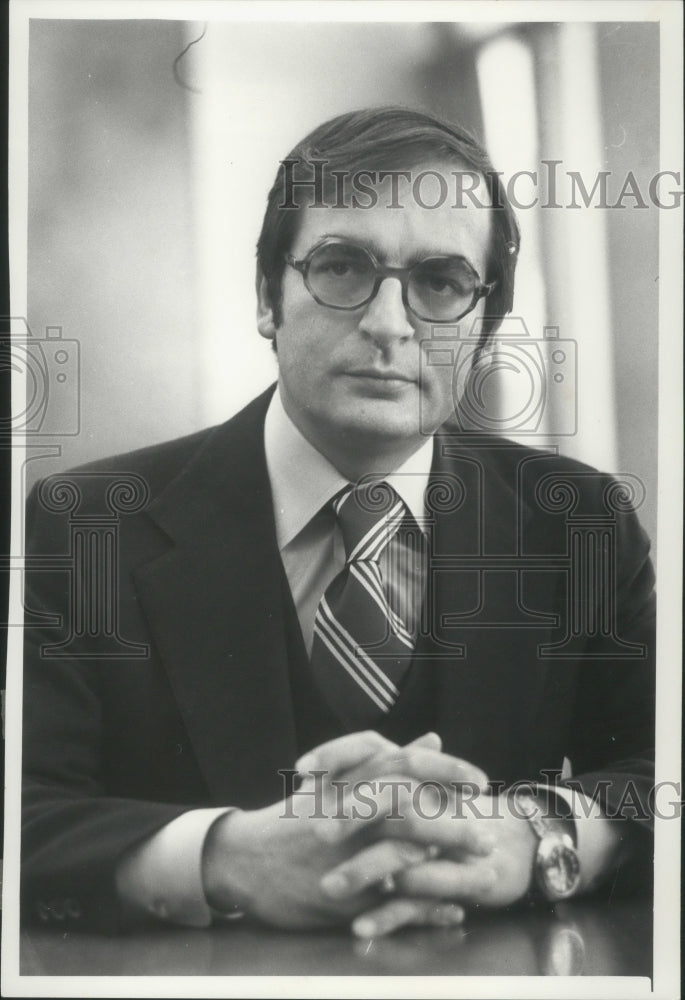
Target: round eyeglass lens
x=441 y=288
x=340 y=275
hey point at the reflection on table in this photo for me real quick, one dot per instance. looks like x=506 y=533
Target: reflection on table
x=597 y=938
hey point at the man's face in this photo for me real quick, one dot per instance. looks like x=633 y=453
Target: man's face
x=353 y=381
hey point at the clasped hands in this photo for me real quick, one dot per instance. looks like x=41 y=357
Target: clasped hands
x=371 y=817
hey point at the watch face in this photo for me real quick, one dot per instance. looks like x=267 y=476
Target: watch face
x=558 y=868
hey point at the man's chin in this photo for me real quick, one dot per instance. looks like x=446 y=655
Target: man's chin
x=381 y=427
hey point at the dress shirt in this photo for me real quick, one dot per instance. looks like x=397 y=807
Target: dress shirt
x=163 y=875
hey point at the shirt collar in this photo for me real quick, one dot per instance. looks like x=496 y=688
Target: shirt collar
x=303 y=481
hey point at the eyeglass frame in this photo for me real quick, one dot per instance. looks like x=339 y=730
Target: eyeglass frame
x=383 y=271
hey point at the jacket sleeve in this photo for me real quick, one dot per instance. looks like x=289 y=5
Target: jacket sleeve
x=74 y=829
x=614 y=725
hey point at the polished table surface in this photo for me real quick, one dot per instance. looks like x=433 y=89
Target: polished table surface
x=584 y=937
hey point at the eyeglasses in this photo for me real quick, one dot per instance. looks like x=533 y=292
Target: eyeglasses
x=345 y=276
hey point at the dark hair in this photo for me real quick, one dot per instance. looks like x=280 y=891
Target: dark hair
x=387 y=138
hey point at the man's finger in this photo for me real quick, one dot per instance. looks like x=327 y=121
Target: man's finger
x=398 y=913
x=443 y=879
x=430 y=740
x=408 y=810
x=371 y=865
x=345 y=751
x=339 y=783
x=423 y=762
x=464 y=834
x=354 y=748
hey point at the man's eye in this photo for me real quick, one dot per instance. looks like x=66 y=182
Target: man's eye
x=339 y=267
x=438 y=284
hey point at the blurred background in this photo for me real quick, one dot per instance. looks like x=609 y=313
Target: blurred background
x=148 y=174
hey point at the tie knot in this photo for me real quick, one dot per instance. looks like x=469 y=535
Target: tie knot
x=369 y=515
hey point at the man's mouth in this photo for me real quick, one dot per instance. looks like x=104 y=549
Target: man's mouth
x=381 y=374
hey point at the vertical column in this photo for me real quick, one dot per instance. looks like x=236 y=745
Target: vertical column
x=93 y=616
x=591 y=594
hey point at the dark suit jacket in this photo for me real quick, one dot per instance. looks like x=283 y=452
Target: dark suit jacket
x=179 y=693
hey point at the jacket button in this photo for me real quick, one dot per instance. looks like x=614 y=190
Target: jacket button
x=43 y=911
x=57 y=909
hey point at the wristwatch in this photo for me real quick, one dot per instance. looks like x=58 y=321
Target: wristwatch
x=557 y=865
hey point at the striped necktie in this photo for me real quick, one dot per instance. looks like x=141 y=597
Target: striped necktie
x=361 y=648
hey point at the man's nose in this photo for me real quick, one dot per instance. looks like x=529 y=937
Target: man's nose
x=385 y=318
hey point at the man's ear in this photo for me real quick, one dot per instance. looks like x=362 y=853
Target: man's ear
x=265 y=314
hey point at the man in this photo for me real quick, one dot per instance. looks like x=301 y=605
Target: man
x=336 y=581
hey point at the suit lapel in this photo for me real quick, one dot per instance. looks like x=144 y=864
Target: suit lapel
x=214 y=604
